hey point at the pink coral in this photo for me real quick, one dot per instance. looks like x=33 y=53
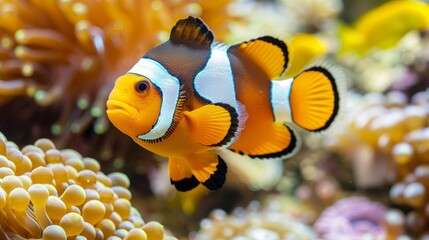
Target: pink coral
x=352 y=218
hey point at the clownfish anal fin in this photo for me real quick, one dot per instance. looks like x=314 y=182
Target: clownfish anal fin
x=278 y=142
x=213 y=124
x=218 y=177
x=271 y=54
x=209 y=169
x=206 y=168
x=192 y=32
x=180 y=175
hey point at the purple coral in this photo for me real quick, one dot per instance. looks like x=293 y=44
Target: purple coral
x=352 y=218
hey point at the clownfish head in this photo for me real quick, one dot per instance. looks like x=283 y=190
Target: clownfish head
x=134 y=104
x=144 y=102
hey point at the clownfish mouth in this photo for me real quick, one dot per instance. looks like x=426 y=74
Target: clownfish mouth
x=119 y=107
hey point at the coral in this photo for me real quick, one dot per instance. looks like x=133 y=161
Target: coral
x=48 y=193
x=412 y=192
x=252 y=223
x=352 y=218
x=66 y=54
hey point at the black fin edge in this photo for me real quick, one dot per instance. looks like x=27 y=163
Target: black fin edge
x=275 y=41
x=336 y=96
x=230 y=135
x=282 y=45
x=185 y=184
x=182 y=33
x=286 y=151
x=217 y=179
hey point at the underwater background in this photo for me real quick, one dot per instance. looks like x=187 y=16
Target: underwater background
x=67 y=173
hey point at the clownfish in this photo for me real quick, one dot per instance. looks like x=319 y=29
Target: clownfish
x=191 y=100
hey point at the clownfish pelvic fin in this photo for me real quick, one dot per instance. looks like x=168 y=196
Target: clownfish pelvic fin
x=311 y=99
x=206 y=168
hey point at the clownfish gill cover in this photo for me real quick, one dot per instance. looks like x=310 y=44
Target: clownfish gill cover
x=193 y=100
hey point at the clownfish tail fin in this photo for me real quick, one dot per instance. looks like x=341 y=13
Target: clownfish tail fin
x=315 y=97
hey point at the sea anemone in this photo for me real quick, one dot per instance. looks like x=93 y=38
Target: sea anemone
x=48 y=193
x=352 y=218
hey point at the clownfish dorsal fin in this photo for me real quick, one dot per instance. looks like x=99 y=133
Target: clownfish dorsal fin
x=192 y=32
x=271 y=54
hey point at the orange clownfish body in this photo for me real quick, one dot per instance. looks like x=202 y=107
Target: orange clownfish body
x=193 y=100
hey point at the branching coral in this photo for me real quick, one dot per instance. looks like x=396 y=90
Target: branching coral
x=48 y=193
x=66 y=54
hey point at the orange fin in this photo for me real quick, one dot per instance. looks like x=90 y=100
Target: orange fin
x=269 y=53
x=213 y=124
x=209 y=169
x=279 y=142
x=192 y=32
x=180 y=175
x=315 y=97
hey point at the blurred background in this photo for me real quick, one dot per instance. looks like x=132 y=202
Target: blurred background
x=367 y=178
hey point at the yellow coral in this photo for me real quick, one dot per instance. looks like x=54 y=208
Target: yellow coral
x=47 y=193
x=384 y=26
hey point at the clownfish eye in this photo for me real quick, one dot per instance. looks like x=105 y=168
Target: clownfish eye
x=142 y=86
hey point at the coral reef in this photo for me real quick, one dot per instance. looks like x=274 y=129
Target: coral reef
x=59 y=60
x=50 y=193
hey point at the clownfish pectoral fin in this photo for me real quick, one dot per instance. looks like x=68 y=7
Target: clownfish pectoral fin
x=191 y=32
x=279 y=142
x=213 y=124
x=180 y=175
x=315 y=96
x=269 y=53
x=209 y=169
